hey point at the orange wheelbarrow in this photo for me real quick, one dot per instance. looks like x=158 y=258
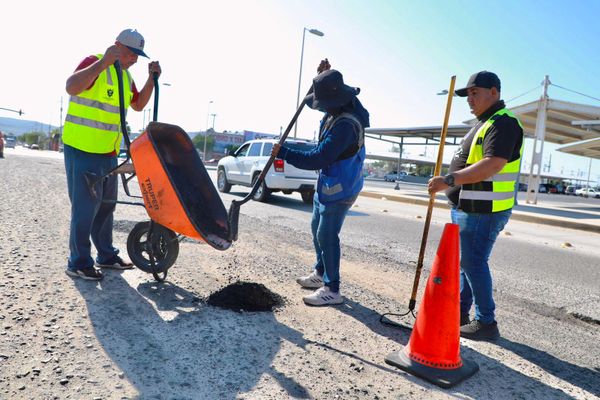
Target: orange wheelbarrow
x=177 y=192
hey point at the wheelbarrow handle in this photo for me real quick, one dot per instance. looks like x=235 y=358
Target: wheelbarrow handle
x=117 y=66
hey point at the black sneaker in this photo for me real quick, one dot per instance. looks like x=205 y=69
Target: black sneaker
x=90 y=273
x=465 y=319
x=116 y=263
x=477 y=330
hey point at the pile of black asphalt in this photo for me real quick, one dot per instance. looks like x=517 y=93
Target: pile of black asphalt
x=245 y=296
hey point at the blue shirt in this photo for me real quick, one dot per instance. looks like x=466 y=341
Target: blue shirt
x=341 y=136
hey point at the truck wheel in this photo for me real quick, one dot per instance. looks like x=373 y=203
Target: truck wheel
x=222 y=184
x=307 y=196
x=262 y=193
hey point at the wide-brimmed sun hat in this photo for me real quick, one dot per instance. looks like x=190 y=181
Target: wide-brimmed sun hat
x=329 y=91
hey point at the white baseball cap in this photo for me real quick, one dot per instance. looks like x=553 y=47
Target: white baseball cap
x=133 y=40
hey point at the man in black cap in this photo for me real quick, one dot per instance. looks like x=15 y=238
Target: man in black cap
x=339 y=157
x=480 y=187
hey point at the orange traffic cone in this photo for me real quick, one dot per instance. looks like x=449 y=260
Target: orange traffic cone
x=433 y=351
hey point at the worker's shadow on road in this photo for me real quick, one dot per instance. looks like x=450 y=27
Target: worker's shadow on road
x=169 y=344
x=581 y=377
x=493 y=378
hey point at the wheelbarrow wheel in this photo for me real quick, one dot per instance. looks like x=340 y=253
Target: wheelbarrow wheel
x=163 y=246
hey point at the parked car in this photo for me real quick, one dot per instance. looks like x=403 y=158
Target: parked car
x=571 y=190
x=34 y=147
x=390 y=176
x=246 y=163
x=10 y=142
x=587 y=192
x=393 y=176
x=542 y=189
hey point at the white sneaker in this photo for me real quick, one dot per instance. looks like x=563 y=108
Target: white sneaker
x=312 y=281
x=323 y=297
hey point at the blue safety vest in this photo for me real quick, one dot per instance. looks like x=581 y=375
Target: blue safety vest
x=344 y=178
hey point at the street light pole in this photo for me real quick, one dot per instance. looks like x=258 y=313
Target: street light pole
x=206 y=131
x=314 y=32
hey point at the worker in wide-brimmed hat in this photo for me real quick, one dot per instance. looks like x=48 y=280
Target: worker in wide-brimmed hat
x=92 y=138
x=339 y=156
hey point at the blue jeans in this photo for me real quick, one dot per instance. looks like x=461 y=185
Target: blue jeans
x=90 y=216
x=326 y=224
x=478 y=233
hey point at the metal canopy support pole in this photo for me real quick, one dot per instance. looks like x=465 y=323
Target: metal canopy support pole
x=533 y=183
x=587 y=191
x=397 y=187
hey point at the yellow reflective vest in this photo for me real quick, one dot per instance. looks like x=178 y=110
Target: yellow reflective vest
x=93 y=120
x=496 y=193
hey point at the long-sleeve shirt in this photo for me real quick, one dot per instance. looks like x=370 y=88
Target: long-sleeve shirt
x=340 y=137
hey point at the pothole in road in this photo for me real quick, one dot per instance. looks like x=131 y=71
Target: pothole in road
x=245 y=296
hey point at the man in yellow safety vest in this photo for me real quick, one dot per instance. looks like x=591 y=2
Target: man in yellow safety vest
x=92 y=138
x=480 y=187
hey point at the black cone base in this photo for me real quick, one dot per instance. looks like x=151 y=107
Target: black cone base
x=445 y=378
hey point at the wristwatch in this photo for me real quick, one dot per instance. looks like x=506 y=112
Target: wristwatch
x=449 y=180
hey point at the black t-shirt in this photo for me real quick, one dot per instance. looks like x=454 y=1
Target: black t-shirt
x=503 y=139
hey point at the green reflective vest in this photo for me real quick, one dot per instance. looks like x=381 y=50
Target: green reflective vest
x=93 y=120
x=496 y=193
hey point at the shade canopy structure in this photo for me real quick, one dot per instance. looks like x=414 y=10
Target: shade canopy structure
x=560 y=116
x=586 y=148
x=422 y=132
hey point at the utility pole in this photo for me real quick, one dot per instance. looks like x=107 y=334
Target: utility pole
x=206 y=130
x=61 y=120
x=213 y=123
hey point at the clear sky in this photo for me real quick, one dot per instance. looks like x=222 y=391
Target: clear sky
x=245 y=56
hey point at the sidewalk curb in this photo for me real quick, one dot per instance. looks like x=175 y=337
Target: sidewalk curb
x=516 y=215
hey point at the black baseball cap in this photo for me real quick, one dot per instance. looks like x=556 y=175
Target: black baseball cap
x=482 y=79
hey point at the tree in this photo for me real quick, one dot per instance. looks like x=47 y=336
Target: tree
x=230 y=148
x=395 y=149
x=39 y=138
x=198 y=141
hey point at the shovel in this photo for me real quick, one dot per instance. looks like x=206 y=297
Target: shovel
x=233 y=215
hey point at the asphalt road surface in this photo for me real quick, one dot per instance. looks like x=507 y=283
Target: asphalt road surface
x=130 y=337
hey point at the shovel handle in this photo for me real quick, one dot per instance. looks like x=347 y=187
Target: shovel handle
x=267 y=166
x=155 y=113
x=438 y=167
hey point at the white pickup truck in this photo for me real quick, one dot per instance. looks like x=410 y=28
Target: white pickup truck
x=244 y=166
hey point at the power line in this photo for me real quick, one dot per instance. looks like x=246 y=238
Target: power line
x=521 y=95
x=576 y=92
